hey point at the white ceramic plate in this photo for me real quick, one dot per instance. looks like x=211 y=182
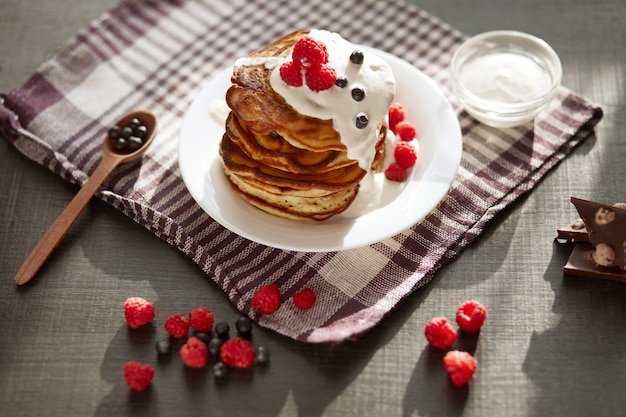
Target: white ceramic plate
x=440 y=147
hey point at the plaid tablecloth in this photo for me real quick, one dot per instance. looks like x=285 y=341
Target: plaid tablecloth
x=156 y=54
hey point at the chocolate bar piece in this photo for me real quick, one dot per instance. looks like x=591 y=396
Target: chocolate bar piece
x=606 y=228
x=581 y=263
x=575 y=231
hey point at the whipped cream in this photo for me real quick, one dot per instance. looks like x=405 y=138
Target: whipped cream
x=374 y=76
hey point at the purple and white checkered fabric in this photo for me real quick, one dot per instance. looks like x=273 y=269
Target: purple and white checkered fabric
x=156 y=54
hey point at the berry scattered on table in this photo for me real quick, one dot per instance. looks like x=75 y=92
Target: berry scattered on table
x=470 y=316
x=205 y=337
x=304 y=299
x=138 y=312
x=405 y=155
x=440 y=333
x=138 y=375
x=244 y=327
x=405 y=130
x=261 y=355
x=194 y=353
x=461 y=366
x=220 y=370
x=222 y=330
x=266 y=299
x=215 y=344
x=164 y=347
x=395 y=172
x=177 y=325
x=201 y=319
x=237 y=353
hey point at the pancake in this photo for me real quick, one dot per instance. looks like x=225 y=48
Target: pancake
x=280 y=160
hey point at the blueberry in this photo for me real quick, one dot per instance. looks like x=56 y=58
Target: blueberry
x=356 y=57
x=204 y=337
x=220 y=370
x=214 y=345
x=261 y=355
x=358 y=94
x=244 y=326
x=222 y=329
x=361 y=120
x=341 y=82
x=275 y=134
x=133 y=143
x=134 y=124
x=126 y=132
x=140 y=131
x=164 y=347
x=114 y=132
x=119 y=144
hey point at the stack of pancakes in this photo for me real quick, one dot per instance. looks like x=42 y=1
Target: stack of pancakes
x=279 y=160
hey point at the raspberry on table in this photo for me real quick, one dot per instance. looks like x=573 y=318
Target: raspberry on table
x=138 y=312
x=291 y=73
x=237 y=353
x=405 y=155
x=308 y=51
x=304 y=299
x=194 y=353
x=396 y=114
x=138 y=375
x=405 y=130
x=440 y=333
x=266 y=299
x=470 y=316
x=395 y=172
x=320 y=77
x=201 y=319
x=461 y=366
x=177 y=325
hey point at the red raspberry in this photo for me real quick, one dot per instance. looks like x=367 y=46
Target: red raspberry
x=201 y=319
x=440 y=333
x=138 y=312
x=308 y=52
x=405 y=130
x=237 y=353
x=470 y=316
x=291 y=73
x=266 y=300
x=138 y=375
x=194 y=353
x=320 y=77
x=304 y=299
x=177 y=325
x=396 y=115
x=461 y=366
x=395 y=172
x=405 y=155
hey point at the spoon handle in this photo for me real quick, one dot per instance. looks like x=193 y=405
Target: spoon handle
x=51 y=239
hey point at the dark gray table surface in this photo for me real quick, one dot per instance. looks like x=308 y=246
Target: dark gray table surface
x=552 y=345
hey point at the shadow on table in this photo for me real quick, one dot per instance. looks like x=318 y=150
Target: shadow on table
x=578 y=364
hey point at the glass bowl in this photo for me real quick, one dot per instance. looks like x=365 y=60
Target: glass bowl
x=505 y=78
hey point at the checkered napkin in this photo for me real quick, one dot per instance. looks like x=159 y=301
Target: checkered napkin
x=157 y=54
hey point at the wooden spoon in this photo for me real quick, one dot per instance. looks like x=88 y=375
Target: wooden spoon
x=110 y=160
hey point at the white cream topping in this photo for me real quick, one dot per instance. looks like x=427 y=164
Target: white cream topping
x=374 y=76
